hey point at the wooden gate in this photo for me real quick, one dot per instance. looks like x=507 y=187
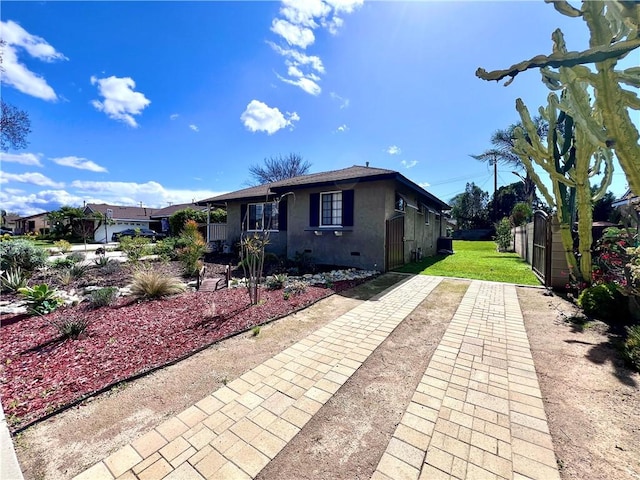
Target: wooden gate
x=541 y=258
x=394 y=249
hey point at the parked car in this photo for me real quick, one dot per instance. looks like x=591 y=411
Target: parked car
x=5 y=231
x=137 y=232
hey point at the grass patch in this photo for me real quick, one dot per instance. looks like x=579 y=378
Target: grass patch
x=477 y=261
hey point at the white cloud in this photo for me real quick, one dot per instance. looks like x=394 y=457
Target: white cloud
x=304 y=12
x=258 y=116
x=410 y=164
x=346 y=6
x=344 y=102
x=305 y=84
x=120 y=101
x=394 y=150
x=33 y=178
x=79 y=163
x=194 y=127
x=21 y=158
x=297 y=58
x=424 y=184
x=16 y=74
x=293 y=34
x=174 y=116
x=343 y=128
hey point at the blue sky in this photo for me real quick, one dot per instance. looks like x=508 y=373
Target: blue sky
x=165 y=102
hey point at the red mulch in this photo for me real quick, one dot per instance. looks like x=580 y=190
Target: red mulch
x=40 y=373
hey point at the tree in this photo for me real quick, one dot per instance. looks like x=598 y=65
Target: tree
x=603 y=210
x=470 y=208
x=279 y=168
x=503 y=142
x=594 y=110
x=14 y=127
x=505 y=199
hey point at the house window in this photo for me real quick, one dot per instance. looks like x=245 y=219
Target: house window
x=262 y=216
x=331 y=209
x=401 y=203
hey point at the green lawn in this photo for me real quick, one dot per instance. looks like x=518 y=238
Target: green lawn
x=478 y=261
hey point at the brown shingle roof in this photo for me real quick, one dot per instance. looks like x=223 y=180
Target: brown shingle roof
x=171 y=209
x=120 y=212
x=322 y=178
x=302 y=180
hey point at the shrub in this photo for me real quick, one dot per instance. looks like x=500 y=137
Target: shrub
x=135 y=248
x=21 y=253
x=63 y=246
x=295 y=288
x=63 y=263
x=78 y=270
x=521 y=213
x=76 y=257
x=276 y=282
x=150 y=284
x=179 y=219
x=503 y=234
x=603 y=301
x=194 y=248
x=71 y=326
x=64 y=276
x=112 y=266
x=255 y=331
x=167 y=249
x=40 y=299
x=631 y=347
x=13 y=279
x=103 y=297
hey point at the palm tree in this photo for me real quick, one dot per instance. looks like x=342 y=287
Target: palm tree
x=503 y=142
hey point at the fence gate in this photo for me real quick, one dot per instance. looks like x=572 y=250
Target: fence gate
x=395 y=242
x=541 y=258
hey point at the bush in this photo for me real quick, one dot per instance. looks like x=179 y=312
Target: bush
x=63 y=246
x=103 y=297
x=149 y=284
x=63 y=263
x=631 y=347
x=71 y=326
x=603 y=301
x=21 y=254
x=167 y=249
x=40 y=299
x=194 y=248
x=76 y=257
x=135 y=248
x=503 y=234
x=521 y=214
x=295 y=288
x=179 y=219
x=13 y=279
x=112 y=266
x=276 y=282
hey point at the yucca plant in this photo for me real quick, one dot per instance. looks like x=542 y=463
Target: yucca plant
x=102 y=260
x=148 y=284
x=13 y=279
x=71 y=326
x=65 y=276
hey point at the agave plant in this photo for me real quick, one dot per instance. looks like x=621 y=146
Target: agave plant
x=41 y=299
x=13 y=279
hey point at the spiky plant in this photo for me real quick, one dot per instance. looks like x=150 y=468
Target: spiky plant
x=149 y=284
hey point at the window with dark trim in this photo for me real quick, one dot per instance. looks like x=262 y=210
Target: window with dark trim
x=400 y=204
x=331 y=209
x=262 y=216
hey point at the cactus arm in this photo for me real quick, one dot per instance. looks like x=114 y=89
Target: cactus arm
x=565 y=8
x=630 y=76
x=593 y=55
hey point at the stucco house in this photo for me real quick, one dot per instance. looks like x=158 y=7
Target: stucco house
x=120 y=218
x=359 y=216
x=38 y=223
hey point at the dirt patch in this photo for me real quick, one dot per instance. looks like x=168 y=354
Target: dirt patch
x=72 y=441
x=592 y=401
x=347 y=437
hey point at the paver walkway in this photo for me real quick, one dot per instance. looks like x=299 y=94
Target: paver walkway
x=236 y=431
x=477 y=412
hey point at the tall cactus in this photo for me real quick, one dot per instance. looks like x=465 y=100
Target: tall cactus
x=614 y=27
x=571 y=159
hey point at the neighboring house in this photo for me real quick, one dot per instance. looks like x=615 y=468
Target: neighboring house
x=10 y=220
x=120 y=218
x=361 y=217
x=628 y=198
x=160 y=218
x=38 y=223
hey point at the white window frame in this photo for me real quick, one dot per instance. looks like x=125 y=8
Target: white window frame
x=274 y=208
x=321 y=217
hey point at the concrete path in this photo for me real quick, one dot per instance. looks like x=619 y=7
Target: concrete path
x=477 y=413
